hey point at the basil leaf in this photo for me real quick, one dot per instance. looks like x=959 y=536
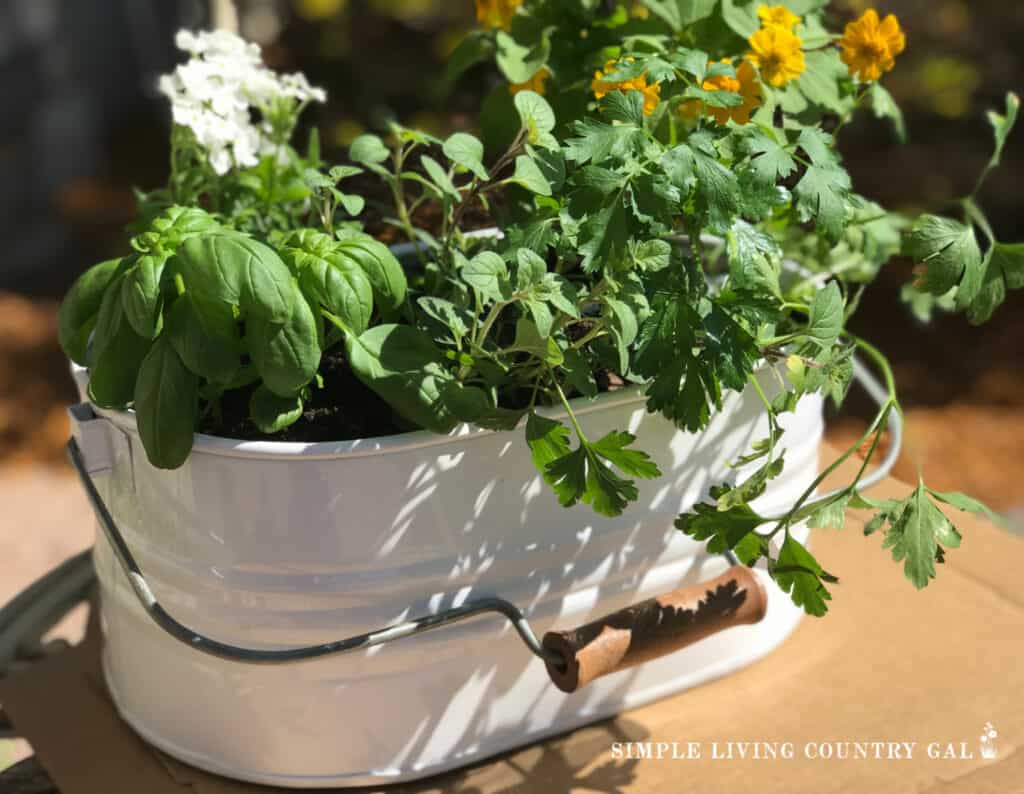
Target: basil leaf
x=380 y=266
x=206 y=349
x=404 y=366
x=77 y=316
x=112 y=375
x=235 y=270
x=140 y=294
x=272 y=413
x=166 y=406
x=286 y=355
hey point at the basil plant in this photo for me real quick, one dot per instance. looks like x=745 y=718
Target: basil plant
x=671 y=214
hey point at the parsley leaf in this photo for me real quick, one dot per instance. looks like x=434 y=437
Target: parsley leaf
x=584 y=474
x=822 y=191
x=947 y=249
x=799 y=574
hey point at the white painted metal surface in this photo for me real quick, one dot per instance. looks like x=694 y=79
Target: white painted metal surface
x=277 y=545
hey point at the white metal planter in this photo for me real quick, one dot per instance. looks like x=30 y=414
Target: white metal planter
x=278 y=545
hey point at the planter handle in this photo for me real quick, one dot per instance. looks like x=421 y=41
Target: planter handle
x=655 y=627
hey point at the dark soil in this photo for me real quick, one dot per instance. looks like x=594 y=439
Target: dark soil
x=344 y=409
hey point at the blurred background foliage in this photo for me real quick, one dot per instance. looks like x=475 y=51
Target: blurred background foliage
x=82 y=125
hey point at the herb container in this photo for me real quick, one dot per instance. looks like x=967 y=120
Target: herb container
x=277 y=545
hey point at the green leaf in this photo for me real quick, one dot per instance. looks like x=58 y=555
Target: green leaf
x=560 y=293
x=530 y=270
x=770 y=160
x=536 y=116
x=626 y=106
x=381 y=267
x=741 y=17
x=820 y=81
x=166 y=406
x=77 y=316
x=755 y=259
x=1004 y=270
x=439 y=177
x=472 y=404
x=730 y=348
x=548 y=441
x=723 y=529
x=404 y=366
x=521 y=61
x=831 y=515
x=286 y=355
x=964 y=502
x=448 y=314
x=583 y=474
x=696 y=166
x=529 y=339
x=885 y=107
x=821 y=196
x=140 y=294
x=946 y=248
x=594 y=141
x=825 y=321
x=668 y=11
x=109 y=319
x=529 y=175
x=237 y=271
x=691 y=11
x=487 y=274
x=113 y=374
x=467 y=150
x=369 y=150
x=331 y=272
x=614 y=448
x=272 y=413
x=914 y=537
x=1002 y=125
x=207 y=342
x=823 y=190
x=799 y=574
x=476 y=47
x=652 y=255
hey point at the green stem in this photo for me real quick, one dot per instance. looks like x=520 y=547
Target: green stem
x=568 y=409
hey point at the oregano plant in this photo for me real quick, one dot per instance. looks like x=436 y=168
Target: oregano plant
x=668 y=212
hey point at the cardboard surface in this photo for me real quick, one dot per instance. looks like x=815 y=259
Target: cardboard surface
x=888 y=665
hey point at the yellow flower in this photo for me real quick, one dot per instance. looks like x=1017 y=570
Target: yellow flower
x=602 y=87
x=746 y=84
x=535 y=83
x=639 y=11
x=496 y=13
x=777 y=53
x=777 y=16
x=869 y=46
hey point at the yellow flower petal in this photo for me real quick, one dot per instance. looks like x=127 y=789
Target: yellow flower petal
x=496 y=13
x=778 y=16
x=778 y=54
x=869 y=46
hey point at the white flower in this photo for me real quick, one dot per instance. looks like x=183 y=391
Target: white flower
x=216 y=90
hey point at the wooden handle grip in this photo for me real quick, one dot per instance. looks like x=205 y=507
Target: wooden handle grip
x=655 y=627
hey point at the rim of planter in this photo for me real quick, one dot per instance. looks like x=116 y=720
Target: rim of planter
x=375 y=445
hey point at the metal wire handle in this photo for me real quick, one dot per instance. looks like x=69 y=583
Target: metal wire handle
x=237 y=653
x=408 y=628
